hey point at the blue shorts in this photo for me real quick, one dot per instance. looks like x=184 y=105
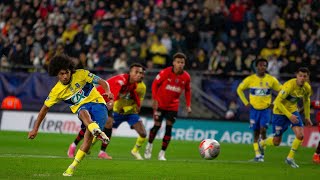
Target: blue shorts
x=130 y=118
x=259 y=118
x=280 y=123
x=97 y=111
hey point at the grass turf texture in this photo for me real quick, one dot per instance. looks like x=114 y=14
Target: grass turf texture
x=46 y=158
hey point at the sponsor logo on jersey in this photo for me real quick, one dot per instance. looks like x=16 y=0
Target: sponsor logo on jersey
x=78 y=97
x=173 y=88
x=121 y=82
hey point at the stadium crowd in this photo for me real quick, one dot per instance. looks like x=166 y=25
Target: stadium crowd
x=219 y=36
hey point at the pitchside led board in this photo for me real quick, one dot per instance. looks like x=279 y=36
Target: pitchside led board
x=190 y=130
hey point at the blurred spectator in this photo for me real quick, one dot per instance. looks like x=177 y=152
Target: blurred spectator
x=121 y=63
x=33 y=31
x=158 y=53
x=237 y=12
x=200 y=62
x=269 y=11
x=274 y=66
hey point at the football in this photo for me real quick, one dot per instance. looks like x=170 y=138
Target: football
x=209 y=149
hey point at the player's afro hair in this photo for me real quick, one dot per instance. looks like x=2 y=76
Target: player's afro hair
x=60 y=62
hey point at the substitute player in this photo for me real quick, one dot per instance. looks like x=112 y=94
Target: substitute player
x=285 y=112
x=260 y=87
x=75 y=87
x=166 y=90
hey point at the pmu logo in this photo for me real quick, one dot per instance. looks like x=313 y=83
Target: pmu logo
x=78 y=97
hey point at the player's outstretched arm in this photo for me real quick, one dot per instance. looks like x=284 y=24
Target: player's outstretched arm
x=106 y=87
x=33 y=133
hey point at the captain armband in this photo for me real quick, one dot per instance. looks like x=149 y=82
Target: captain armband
x=95 y=79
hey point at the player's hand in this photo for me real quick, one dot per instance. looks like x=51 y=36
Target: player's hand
x=110 y=105
x=188 y=109
x=308 y=122
x=108 y=95
x=294 y=119
x=32 y=134
x=248 y=105
x=154 y=104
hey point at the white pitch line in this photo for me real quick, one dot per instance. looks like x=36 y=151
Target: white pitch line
x=173 y=160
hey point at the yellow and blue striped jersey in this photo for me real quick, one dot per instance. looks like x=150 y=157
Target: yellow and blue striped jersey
x=79 y=91
x=260 y=90
x=128 y=105
x=287 y=99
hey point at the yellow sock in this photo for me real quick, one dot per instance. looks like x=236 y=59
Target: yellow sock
x=263 y=144
x=268 y=142
x=295 y=145
x=93 y=126
x=139 y=142
x=79 y=156
x=256 y=149
x=94 y=140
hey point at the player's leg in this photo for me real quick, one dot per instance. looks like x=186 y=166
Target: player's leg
x=170 y=119
x=108 y=131
x=298 y=131
x=255 y=126
x=256 y=149
x=280 y=124
x=93 y=116
x=73 y=146
x=85 y=146
x=265 y=118
x=139 y=127
x=157 y=118
x=316 y=155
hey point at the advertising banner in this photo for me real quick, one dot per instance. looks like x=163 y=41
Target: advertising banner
x=183 y=129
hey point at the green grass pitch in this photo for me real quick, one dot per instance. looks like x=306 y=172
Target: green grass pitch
x=45 y=158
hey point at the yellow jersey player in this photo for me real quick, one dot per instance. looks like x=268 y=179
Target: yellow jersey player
x=285 y=112
x=260 y=87
x=75 y=87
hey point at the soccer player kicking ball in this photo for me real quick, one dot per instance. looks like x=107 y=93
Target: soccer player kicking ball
x=166 y=90
x=260 y=96
x=285 y=112
x=129 y=91
x=75 y=87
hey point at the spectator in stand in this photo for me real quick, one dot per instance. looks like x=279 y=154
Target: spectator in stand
x=200 y=62
x=189 y=26
x=269 y=11
x=158 y=53
x=237 y=13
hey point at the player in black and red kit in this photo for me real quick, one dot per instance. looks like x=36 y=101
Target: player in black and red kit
x=166 y=90
x=316 y=155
